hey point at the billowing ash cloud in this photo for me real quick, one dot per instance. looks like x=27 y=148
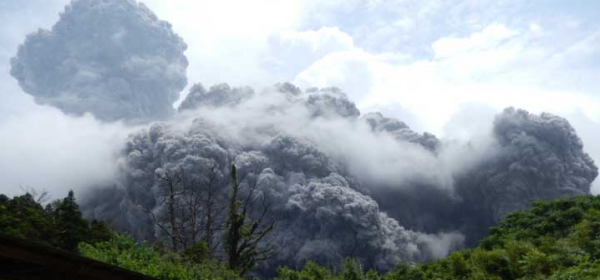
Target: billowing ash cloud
x=321 y=200
x=328 y=220
x=401 y=131
x=217 y=95
x=347 y=185
x=330 y=102
x=538 y=157
x=542 y=154
x=112 y=58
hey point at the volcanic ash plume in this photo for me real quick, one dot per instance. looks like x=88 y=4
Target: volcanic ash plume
x=346 y=185
x=320 y=203
x=401 y=131
x=537 y=157
x=112 y=58
x=218 y=95
x=327 y=221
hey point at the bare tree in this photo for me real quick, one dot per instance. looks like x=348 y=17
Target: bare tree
x=170 y=221
x=211 y=226
x=200 y=203
x=191 y=214
x=40 y=197
x=189 y=210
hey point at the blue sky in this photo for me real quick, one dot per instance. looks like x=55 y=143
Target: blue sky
x=441 y=66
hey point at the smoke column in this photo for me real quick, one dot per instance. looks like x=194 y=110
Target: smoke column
x=112 y=58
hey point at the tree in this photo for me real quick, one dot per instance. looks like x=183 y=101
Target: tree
x=99 y=232
x=242 y=233
x=191 y=221
x=211 y=226
x=23 y=217
x=170 y=221
x=59 y=224
x=198 y=253
x=71 y=226
x=190 y=212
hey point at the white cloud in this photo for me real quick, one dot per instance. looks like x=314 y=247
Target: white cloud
x=348 y=70
x=45 y=150
x=227 y=38
x=489 y=38
x=319 y=42
x=290 y=52
x=484 y=67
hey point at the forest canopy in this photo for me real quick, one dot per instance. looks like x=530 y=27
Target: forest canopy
x=556 y=239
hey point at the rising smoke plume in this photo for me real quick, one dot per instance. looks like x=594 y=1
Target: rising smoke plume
x=537 y=157
x=112 y=58
x=344 y=184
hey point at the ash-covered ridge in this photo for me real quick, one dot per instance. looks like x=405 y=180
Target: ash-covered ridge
x=112 y=58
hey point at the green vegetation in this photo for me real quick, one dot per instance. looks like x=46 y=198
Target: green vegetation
x=555 y=240
x=124 y=252
x=59 y=224
x=243 y=235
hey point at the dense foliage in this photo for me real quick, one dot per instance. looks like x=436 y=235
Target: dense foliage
x=124 y=252
x=59 y=224
x=555 y=240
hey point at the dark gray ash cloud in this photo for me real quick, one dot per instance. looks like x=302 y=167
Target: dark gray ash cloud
x=538 y=157
x=330 y=102
x=401 y=131
x=321 y=202
x=394 y=196
x=112 y=58
x=217 y=95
